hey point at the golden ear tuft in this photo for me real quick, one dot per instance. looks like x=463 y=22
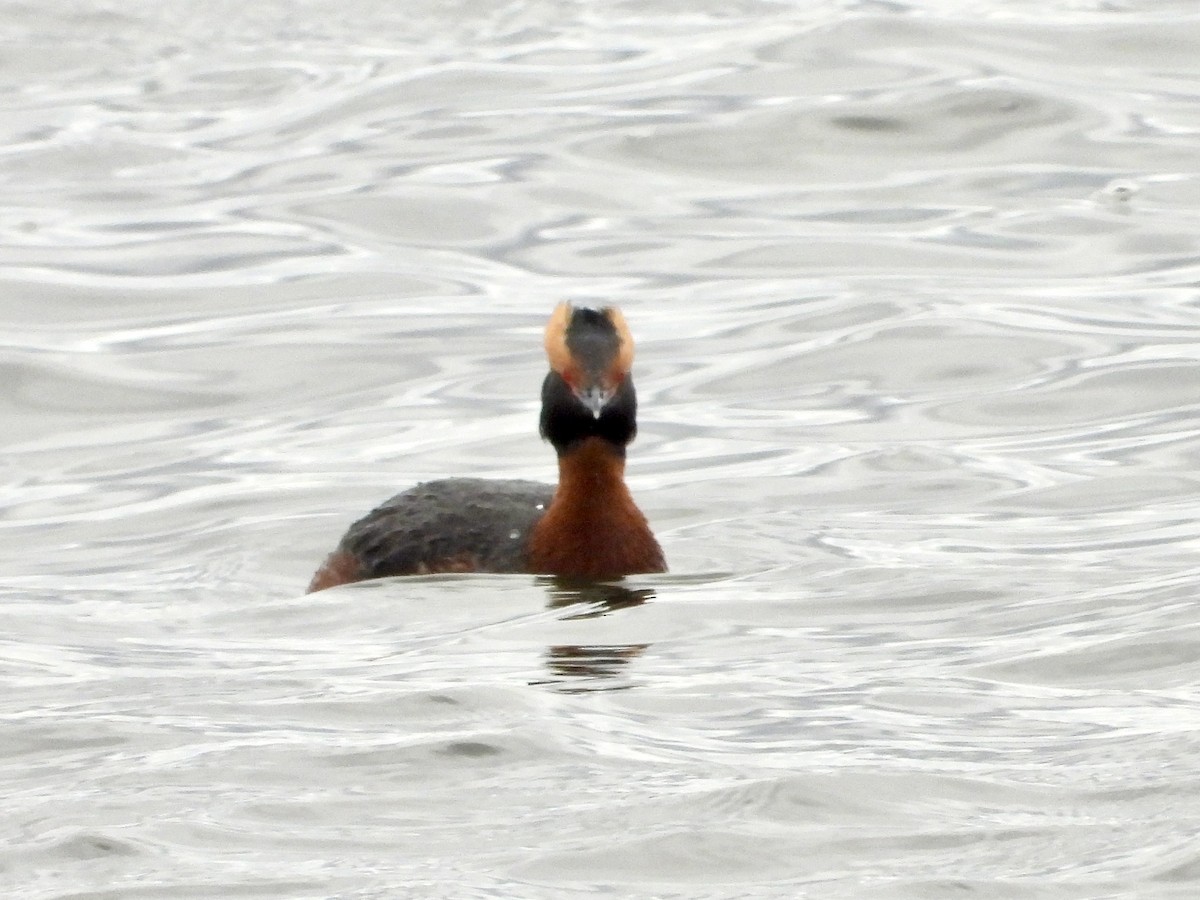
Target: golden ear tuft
x=556 y=338
x=624 y=361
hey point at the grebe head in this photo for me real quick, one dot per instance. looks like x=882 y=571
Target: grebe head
x=589 y=389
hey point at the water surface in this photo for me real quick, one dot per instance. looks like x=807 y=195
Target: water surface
x=915 y=294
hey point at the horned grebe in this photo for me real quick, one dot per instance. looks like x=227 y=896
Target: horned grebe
x=586 y=527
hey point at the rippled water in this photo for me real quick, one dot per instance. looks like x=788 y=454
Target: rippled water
x=915 y=290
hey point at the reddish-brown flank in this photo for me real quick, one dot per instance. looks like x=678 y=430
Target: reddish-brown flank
x=339 y=568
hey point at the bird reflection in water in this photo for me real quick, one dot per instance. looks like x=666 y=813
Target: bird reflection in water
x=578 y=668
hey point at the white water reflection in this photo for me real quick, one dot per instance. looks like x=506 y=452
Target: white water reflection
x=914 y=295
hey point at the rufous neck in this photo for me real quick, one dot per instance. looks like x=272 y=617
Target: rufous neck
x=593 y=469
x=592 y=528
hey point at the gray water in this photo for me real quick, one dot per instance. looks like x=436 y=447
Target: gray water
x=915 y=289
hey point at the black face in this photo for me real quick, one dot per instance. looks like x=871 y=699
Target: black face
x=566 y=421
